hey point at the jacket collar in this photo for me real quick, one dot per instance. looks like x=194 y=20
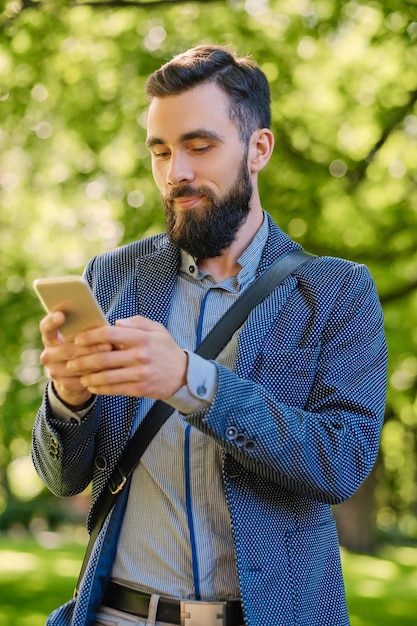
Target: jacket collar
x=277 y=245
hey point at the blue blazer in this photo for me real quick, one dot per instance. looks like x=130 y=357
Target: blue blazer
x=308 y=391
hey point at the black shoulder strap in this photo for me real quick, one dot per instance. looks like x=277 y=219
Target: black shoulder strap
x=209 y=348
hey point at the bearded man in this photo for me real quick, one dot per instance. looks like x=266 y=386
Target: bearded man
x=227 y=517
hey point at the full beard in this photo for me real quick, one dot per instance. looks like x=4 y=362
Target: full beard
x=207 y=231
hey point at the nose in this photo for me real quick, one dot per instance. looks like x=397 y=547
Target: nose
x=179 y=169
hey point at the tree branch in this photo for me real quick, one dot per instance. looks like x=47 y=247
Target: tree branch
x=399 y=293
x=136 y=3
x=397 y=115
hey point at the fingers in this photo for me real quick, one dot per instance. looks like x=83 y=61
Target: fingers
x=57 y=354
x=134 y=373
x=148 y=362
x=49 y=327
x=116 y=335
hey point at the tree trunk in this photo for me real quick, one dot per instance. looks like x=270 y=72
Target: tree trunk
x=355 y=518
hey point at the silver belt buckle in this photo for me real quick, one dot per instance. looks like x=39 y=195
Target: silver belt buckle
x=195 y=613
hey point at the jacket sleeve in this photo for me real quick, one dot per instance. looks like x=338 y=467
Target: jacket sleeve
x=309 y=418
x=63 y=451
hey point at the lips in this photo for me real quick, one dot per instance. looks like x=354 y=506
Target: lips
x=187 y=202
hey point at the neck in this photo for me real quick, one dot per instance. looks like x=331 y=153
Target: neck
x=226 y=264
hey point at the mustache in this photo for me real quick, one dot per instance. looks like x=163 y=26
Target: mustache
x=185 y=191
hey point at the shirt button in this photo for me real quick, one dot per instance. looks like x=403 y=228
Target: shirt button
x=201 y=390
x=191 y=269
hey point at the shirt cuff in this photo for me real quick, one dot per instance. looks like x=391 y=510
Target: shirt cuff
x=201 y=387
x=61 y=411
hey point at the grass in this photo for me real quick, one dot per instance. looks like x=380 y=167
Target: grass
x=382 y=590
x=37 y=576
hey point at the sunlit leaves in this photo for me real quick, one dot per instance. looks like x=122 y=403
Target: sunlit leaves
x=75 y=175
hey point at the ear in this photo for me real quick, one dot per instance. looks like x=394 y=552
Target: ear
x=261 y=145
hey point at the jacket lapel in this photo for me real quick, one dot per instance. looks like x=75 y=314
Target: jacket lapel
x=154 y=283
x=155 y=278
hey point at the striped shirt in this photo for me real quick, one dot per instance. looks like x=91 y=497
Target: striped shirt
x=176 y=537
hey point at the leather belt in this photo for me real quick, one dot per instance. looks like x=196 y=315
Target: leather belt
x=181 y=612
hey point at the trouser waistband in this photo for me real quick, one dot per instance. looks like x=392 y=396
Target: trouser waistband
x=172 y=611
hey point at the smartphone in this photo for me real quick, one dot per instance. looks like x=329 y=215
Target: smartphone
x=71 y=295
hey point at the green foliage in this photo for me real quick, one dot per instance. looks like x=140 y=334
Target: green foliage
x=75 y=176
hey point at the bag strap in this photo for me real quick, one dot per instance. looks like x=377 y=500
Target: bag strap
x=209 y=348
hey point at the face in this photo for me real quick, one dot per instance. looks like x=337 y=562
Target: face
x=200 y=167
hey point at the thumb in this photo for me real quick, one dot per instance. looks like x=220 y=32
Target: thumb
x=137 y=321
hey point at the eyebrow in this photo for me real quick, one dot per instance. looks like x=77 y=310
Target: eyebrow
x=200 y=133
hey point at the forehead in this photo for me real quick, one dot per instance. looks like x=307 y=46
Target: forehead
x=202 y=107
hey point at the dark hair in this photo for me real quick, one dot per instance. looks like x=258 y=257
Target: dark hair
x=240 y=78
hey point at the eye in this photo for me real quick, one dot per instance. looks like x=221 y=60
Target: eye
x=160 y=153
x=201 y=149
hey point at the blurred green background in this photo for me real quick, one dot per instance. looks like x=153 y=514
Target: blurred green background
x=75 y=180
x=36 y=577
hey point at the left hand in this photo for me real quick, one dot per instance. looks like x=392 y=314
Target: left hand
x=146 y=362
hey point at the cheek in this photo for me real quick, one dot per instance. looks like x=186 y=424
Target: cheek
x=159 y=177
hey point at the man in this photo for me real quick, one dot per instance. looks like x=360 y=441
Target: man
x=231 y=500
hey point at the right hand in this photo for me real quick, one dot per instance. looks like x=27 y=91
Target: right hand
x=56 y=355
